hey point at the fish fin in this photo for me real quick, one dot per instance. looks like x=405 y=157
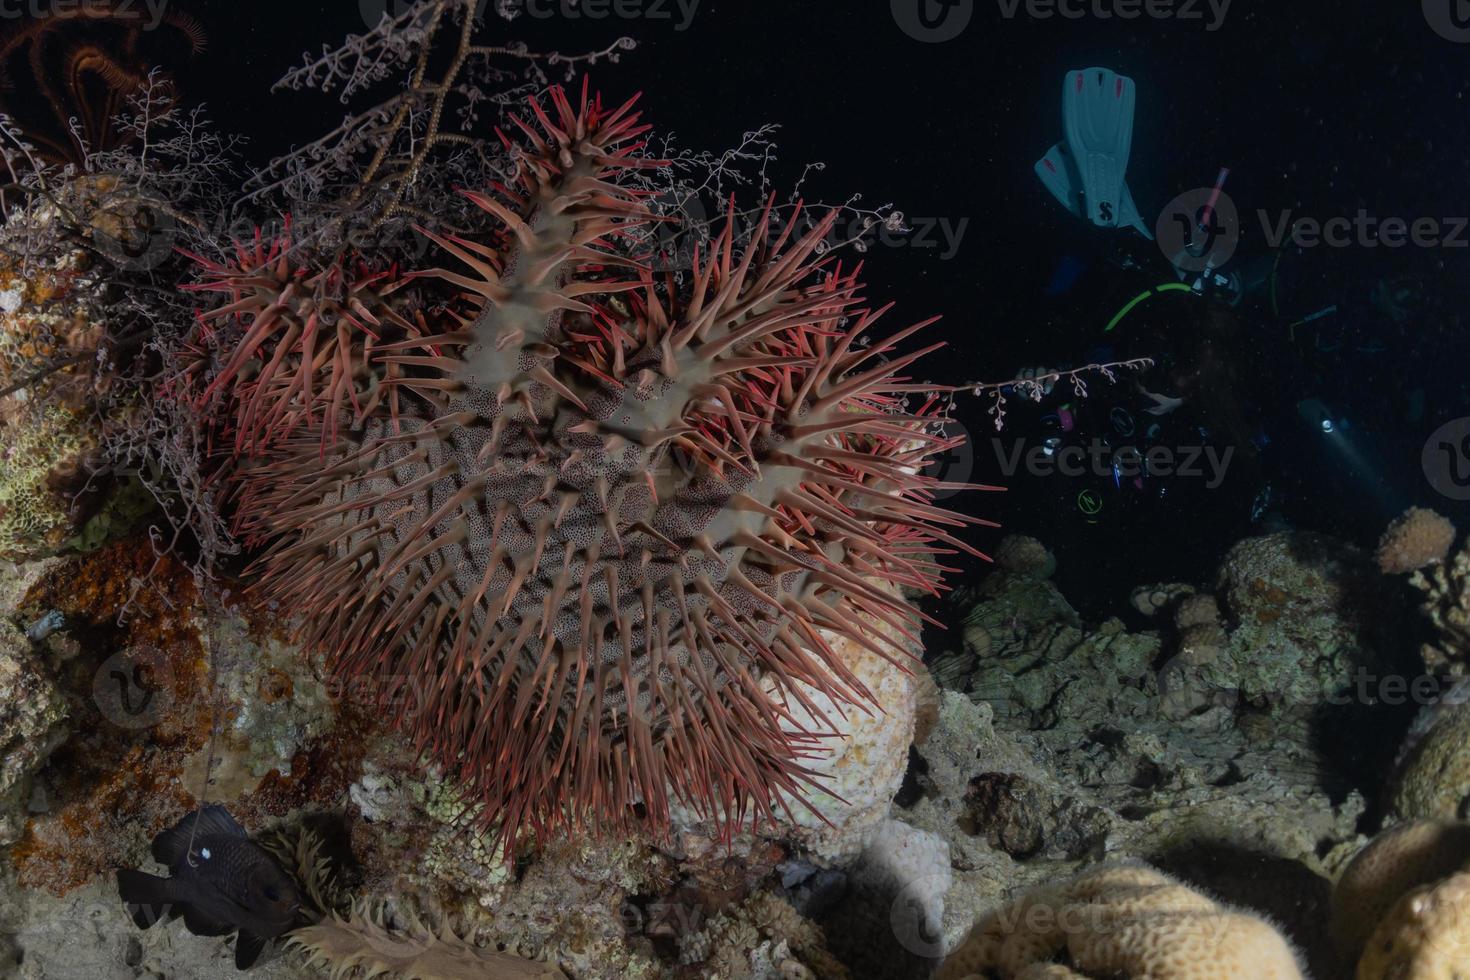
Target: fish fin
x=202 y=925
x=171 y=846
x=148 y=897
x=248 y=948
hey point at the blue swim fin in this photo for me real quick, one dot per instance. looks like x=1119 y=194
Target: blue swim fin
x=1097 y=121
x=1058 y=171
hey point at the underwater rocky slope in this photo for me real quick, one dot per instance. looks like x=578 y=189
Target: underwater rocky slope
x=1213 y=732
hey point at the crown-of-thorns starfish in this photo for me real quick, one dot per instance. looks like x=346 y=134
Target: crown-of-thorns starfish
x=603 y=549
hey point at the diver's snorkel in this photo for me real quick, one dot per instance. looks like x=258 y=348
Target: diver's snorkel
x=1198 y=250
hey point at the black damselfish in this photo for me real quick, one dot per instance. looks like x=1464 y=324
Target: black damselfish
x=220 y=882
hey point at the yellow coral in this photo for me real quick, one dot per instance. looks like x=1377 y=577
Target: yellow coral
x=1121 y=921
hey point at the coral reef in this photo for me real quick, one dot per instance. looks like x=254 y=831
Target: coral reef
x=1122 y=921
x=1417 y=538
x=1059 y=742
x=146 y=669
x=1306 y=612
x=578 y=624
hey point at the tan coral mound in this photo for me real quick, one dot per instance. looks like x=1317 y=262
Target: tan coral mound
x=1025 y=556
x=1399 y=860
x=1419 y=537
x=1120 y=922
x=1403 y=904
x=1426 y=935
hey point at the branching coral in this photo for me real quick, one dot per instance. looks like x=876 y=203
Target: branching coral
x=1446 y=588
x=591 y=547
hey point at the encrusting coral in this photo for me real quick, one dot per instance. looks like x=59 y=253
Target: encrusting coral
x=1388 y=902
x=1121 y=922
x=596 y=533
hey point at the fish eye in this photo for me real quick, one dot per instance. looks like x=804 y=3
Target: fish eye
x=272 y=893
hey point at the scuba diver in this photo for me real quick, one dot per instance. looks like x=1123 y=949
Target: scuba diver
x=1309 y=364
x=1184 y=435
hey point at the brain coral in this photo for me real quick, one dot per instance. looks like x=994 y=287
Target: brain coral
x=1122 y=922
x=1369 y=900
x=590 y=526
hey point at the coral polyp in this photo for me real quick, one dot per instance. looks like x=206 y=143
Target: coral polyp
x=596 y=532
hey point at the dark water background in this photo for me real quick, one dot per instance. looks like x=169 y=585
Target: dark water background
x=1321 y=108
